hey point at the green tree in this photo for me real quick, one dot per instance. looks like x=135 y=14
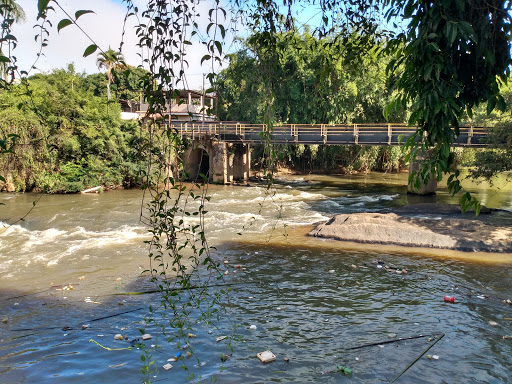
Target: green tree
x=68 y=139
x=110 y=60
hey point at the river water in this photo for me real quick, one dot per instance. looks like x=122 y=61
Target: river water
x=310 y=299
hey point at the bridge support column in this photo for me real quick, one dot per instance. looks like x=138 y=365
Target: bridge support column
x=430 y=188
x=220 y=163
x=241 y=162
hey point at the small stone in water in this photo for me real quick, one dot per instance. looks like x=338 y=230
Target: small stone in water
x=5 y=320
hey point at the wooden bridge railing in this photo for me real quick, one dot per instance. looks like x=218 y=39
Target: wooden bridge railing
x=340 y=134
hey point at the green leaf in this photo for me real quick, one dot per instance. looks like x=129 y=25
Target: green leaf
x=4 y=59
x=41 y=5
x=63 y=23
x=90 y=50
x=81 y=13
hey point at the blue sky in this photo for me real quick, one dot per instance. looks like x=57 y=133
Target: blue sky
x=105 y=28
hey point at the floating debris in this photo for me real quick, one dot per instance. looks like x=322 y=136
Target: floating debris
x=345 y=370
x=253 y=327
x=117 y=365
x=220 y=338
x=449 y=299
x=167 y=366
x=192 y=336
x=493 y=323
x=432 y=357
x=85 y=326
x=266 y=357
x=118 y=337
x=5 y=320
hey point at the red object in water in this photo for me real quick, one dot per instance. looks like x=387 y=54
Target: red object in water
x=239 y=266
x=449 y=299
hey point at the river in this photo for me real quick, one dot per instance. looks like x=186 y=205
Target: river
x=310 y=299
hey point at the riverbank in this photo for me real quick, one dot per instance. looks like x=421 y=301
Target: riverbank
x=440 y=226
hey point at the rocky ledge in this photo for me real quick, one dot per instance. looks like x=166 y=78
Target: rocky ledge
x=427 y=226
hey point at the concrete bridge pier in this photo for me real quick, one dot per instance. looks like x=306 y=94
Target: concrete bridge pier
x=220 y=161
x=430 y=188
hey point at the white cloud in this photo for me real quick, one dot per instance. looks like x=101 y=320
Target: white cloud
x=104 y=27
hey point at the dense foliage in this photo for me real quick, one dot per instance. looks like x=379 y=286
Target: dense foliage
x=67 y=138
x=489 y=163
x=312 y=82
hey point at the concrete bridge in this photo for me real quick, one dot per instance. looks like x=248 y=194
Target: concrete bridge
x=222 y=150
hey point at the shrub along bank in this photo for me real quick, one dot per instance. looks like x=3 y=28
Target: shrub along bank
x=66 y=137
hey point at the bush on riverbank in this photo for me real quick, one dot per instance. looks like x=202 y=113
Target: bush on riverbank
x=67 y=139
x=336 y=158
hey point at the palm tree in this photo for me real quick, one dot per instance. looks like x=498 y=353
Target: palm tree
x=9 y=9
x=110 y=60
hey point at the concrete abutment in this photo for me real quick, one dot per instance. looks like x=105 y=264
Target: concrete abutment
x=221 y=162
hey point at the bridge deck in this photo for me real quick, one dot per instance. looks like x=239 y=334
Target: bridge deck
x=362 y=134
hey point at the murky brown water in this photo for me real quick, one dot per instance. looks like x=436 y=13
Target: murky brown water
x=310 y=299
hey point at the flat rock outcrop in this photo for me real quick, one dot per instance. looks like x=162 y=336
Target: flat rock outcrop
x=391 y=228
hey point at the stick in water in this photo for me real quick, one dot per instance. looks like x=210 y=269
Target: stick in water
x=415 y=360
